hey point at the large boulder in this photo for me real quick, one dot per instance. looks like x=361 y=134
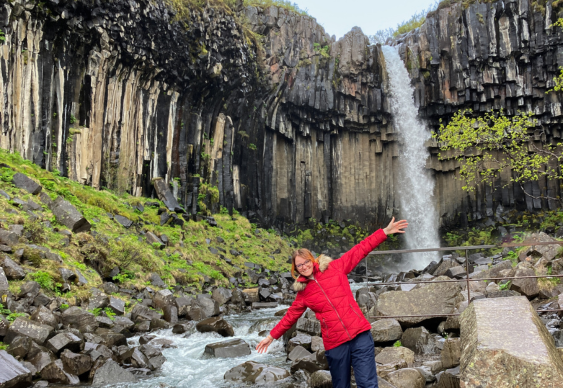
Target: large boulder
x=28 y=328
x=438 y=298
x=407 y=378
x=255 y=373
x=55 y=373
x=528 y=286
x=79 y=319
x=386 y=330
x=112 y=373
x=22 y=181
x=12 y=373
x=12 y=270
x=209 y=307
x=395 y=355
x=227 y=349
x=66 y=214
x=75 y=363
x=64 y=341
x=505 y=344
x=451 y=353
x=217 y=325
x=221 y=295
x=4 y=285
x=309 y=326
x=163 y=298
x=312 y=363
x=166 y=196
x=45 y=316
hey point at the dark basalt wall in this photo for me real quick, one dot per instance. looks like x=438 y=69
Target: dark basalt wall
x=115 y=93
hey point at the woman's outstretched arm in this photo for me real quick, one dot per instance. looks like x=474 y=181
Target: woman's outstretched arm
x=350 y=259
x=294 y=312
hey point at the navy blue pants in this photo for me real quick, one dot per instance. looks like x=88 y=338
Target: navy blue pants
x=358 y=353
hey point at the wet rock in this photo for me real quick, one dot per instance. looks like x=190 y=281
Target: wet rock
x=79 y=319
x=299 y=340
x=255 y=373
x=55 y=373
x=264 y=305
x=417 y=339
x=494 y=356
x=215 y=324
x=298 y=352
x=310 y=364
x=227 y=349
x=22 y=181
x=406 y=378
x=251 y=295
x=12 y=270
x=395 y=355
x=181 y=328
x=64 y=341
x=439 y=298
x=138 y=359
x=451 y=353
x=111 y=373
x=76 y=364
x=110 y=338
x=13 y=373
x=153 y=355
x=66 y=214
x=386 y=330
x=27 y=328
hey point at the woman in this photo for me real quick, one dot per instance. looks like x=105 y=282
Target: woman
x=322 y=285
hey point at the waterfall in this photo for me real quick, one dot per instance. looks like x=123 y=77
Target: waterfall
x=415 y=184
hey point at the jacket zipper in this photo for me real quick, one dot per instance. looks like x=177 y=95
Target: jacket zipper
x=338 y=315
x=354 y=310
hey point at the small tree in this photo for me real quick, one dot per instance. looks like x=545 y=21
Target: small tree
x=486 y=145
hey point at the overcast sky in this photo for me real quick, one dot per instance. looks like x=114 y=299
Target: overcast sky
x=339 y=16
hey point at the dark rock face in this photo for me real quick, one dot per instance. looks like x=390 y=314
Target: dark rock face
x=12 y=270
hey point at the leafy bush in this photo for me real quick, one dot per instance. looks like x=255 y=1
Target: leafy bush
x=44 y=279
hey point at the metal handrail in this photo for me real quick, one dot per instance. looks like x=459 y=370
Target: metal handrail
x=467 y=273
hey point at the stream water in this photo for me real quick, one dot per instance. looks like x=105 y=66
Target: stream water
x=415 y=184
x=185 y=366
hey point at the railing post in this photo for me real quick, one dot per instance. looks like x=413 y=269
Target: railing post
x=467 y=276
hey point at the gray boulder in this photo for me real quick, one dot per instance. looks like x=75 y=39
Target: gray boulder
x=217 y=325
x=163 y=298
x=64 y=341
x=439 y=298
x=4 y=285
x=112 y=373
x=386 y=330
x=79 y=319
x=407 y=378
x=529 y=286
x=45 y=316
x=12 y=270
x=300 y=339
x=312 y=363
x=12 y=373
x=170 y=314
x=227 y=349
x=76 y=364
x=143 y=313
x=98 y=301
x=117 y=305
x=494 y=356
x=8 y=238
x=208 y=306
x=221 y=295
x=27 y=328
x=320 y=379
x=309 y=326
x=166 y=196
x=298 y=352
x=449 y=378
x=396 y=356
x=22 y=181
x=66 y=214
x=255 y=373
x=55 y=373
x=451 y=353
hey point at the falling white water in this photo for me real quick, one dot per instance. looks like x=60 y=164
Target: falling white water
x=415 y=186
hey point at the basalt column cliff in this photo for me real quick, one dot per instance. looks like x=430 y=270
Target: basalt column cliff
x=286 y=122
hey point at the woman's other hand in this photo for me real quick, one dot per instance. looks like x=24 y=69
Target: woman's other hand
x=262 y=347
x=395 y=227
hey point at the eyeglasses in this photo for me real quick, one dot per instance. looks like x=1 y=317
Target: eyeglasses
x=300 y=266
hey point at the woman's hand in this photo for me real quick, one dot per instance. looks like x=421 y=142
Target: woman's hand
x=262 y=347
x=395 y=227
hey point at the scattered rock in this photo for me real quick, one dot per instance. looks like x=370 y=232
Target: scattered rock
x=27 y=328
x=395 y=355
x=66 y=214
x=12 y=270
x=215 y=324
x=451 y=353
x=55 y=373
x=12 y=373
x=227 y=349
x=407 y=378
x=386 y=330
x=112 y=373
x=255 y=373
x=22 y=181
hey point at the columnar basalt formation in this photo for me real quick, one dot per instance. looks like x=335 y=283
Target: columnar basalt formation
x=297 y=126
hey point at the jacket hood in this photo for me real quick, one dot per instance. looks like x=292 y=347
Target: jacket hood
x=301 y=282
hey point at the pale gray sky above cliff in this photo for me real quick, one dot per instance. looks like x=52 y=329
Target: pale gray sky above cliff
x=339 y=16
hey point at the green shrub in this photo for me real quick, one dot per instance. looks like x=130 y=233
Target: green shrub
x=44 y=279
x=397 y=344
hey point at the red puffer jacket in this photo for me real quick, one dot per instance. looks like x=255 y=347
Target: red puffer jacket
x=330 y=297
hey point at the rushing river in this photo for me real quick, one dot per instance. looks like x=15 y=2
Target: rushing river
x=185 y=366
